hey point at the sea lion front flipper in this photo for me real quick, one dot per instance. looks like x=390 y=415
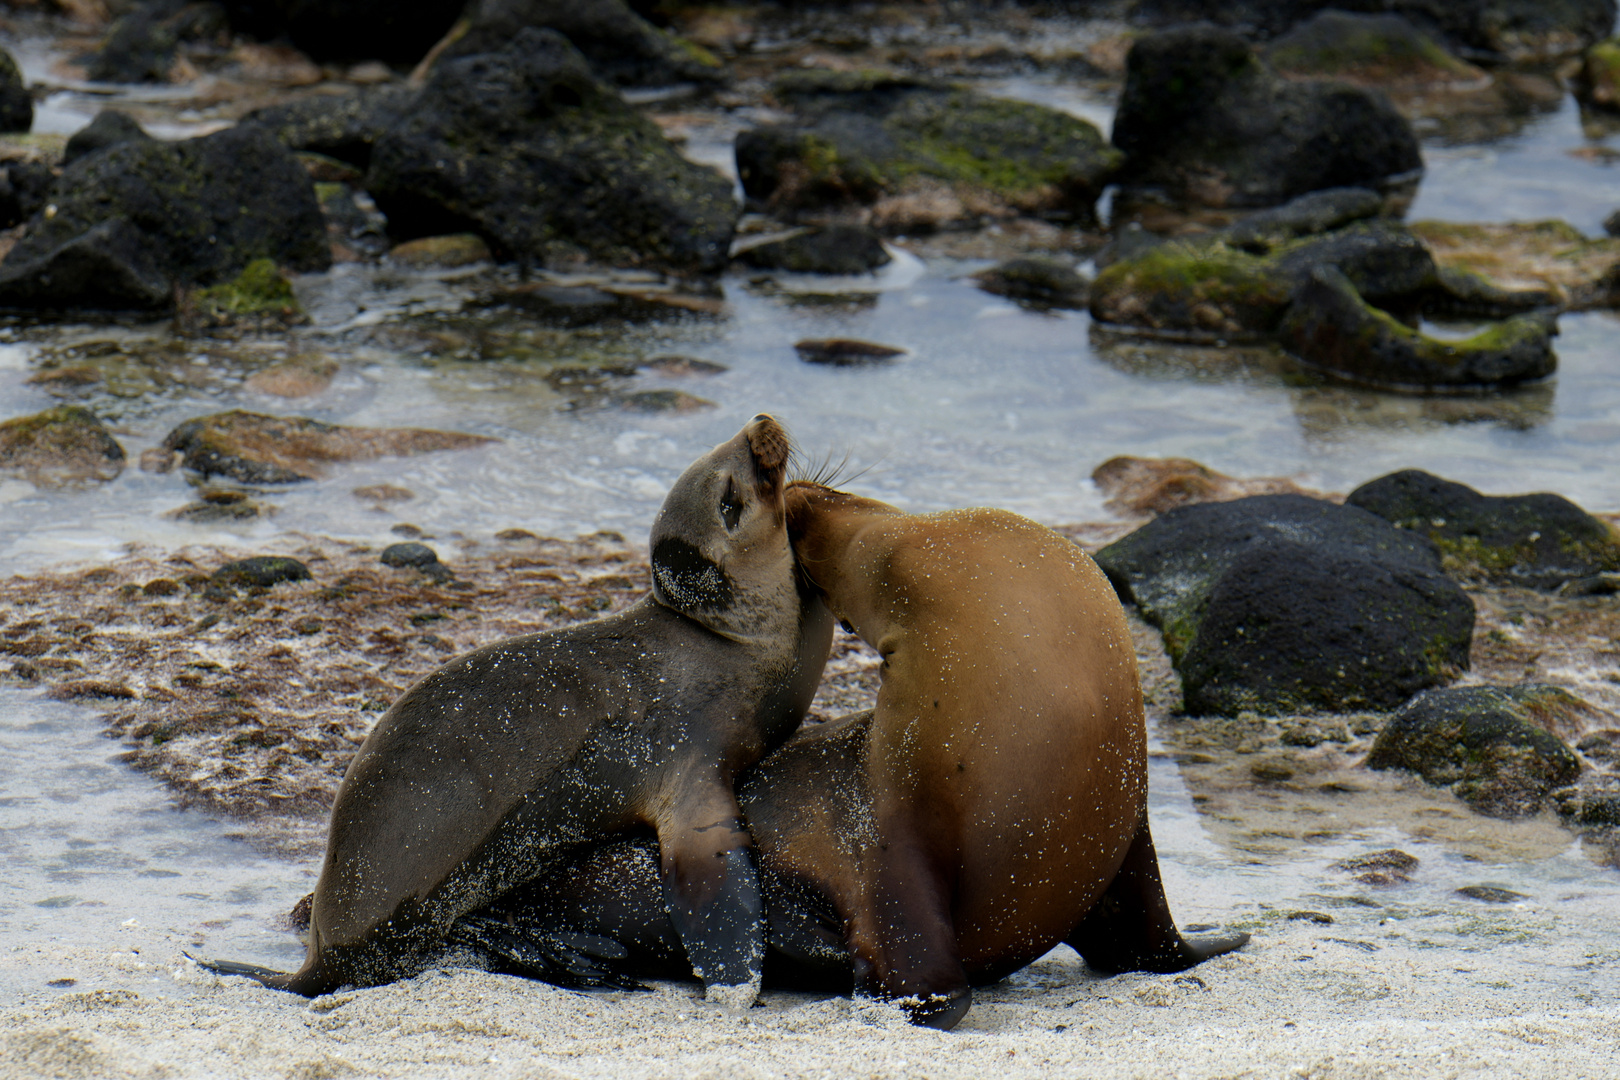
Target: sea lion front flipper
x=711 y=888
x=1130 y=927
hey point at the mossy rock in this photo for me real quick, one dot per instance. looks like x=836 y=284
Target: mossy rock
x=1381 y=50
x=1541 y=540
x=1208 y=285
x=441 y=252
x=526 y=148
x=1282 y=604
x=1598 y=83
x=61 y=447
x=865 y=135
x=1554 y=257
x=260 y=292
x=1037 y=281
x=1489 y=744
x=621 y=47
x=1333 y=330
x=257 y=449
x=139 y=219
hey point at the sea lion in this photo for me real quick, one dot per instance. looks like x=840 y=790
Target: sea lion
x=992 y=805
x=493 y=765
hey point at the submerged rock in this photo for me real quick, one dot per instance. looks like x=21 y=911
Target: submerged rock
x=1391 y=866
x=1282 y=604
x=16 y=105
x=1540 y=540
x=129 y=224
x=845 y=352
x=874 y=140
x=1553 y=258
x=1489 y=744
x=1333 y=330
x=1204 y=119
x=526 y=148
x=836 y=249
x=1039 y=282
x=1150 y=486
x=59 y=447
x=257 y=449
x=620 y=46
x=441 y=252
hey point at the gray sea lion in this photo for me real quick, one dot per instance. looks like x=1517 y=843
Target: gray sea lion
x=495 y=764
x=991 y=806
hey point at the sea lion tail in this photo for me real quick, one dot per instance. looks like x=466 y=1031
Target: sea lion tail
x=574 y=961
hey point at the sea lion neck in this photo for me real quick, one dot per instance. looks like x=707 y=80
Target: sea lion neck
x=827 y=528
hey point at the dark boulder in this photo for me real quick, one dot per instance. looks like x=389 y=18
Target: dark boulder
x=1489 y=744
x=527 y=149
x=138 y=219
x=1540 y=540
x=836 y=249
x=60 y=447
x=1036 y=281
x=16 y=105
x=398 y=33
x=620 y=46
x=256 y=449
x=24 y=185
x=143 y=45
x=1492 y=30
x=109 y=128
x=1204 y=119
x=1282 y=603
x=863 y=137
x=1331 y=328
x=344 y=127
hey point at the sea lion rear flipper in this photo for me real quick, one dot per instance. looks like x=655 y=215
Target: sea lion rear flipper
x=711 y=887
x=903 y=941
x=1130 y=927
x=575 y=961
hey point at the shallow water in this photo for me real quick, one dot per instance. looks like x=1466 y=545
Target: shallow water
x=992 y=404
x=94 y=852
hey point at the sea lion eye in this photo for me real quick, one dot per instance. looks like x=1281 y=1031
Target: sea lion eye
x=731 y=506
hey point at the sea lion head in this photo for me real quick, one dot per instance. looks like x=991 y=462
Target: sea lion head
x=720 y=551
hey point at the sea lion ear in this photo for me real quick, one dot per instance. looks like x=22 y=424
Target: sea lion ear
x=770 y=445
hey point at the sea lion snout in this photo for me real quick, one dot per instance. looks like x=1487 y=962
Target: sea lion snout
x=770 y=444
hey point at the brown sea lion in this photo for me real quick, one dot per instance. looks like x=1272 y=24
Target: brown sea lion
x=992 y=805
x=496 y=763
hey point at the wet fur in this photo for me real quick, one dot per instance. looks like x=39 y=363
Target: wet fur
x=993 y=804
x=490 y=769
